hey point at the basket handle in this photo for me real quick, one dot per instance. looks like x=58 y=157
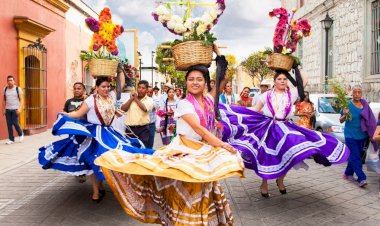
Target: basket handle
x=165 y=47
x=167 y=59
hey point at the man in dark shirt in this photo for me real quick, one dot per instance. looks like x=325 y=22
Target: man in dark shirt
x=73 y=104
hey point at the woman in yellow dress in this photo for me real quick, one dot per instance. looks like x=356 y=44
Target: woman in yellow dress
x=177 y=185
x=305 y=111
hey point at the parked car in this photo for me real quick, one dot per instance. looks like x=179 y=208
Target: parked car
x=327 y=114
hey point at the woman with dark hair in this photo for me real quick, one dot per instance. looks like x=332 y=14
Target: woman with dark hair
x=178 y=93
x=228 y=97
x=245 y=100
x=305 y=112
x=166 y=114
x=271 y=145
x=179 y=186
x=97 y=134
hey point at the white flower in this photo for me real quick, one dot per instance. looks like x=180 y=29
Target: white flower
x=176 y=19
x=179 y=28
x=161 y=10
x=164 y=18
x=207 y=19
x=201 y=28
x=213 y=13
x=171 y=24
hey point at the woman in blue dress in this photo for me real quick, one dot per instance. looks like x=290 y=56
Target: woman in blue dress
x=75 y=155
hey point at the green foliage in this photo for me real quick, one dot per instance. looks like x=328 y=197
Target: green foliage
x=341 y=96
x=255 y=65
x=88 y=55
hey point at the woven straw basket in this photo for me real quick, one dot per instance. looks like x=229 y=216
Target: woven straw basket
x=191 y=53
x=103 y=67
x=278 y=61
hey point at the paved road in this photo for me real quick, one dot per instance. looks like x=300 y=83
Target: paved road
x=32 y=196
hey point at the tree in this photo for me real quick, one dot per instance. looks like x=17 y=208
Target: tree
x=232 y=65
x=167 y=67
x=256 y=66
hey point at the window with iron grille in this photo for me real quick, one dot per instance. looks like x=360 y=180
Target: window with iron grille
x=34 y=67
x=375 y=38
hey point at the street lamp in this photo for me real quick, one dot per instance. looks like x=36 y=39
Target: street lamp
x=327 y=24
x=152 y=65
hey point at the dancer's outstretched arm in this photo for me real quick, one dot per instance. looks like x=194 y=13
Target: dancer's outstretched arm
x=206 y=135
x=83 y=109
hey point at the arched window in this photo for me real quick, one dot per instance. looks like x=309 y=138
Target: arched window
x=34 y=56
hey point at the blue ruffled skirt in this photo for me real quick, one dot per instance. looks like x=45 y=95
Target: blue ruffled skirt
x=75 y=154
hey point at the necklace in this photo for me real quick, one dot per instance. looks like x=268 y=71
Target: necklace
x=278 y=101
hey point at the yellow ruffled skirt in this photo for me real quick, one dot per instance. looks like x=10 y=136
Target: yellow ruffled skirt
x=177 y=185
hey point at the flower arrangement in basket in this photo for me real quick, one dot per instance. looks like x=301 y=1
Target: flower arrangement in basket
x=102 y=57
x=287 y=34
x=197 y=41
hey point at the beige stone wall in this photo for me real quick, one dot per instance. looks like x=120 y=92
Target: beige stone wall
x=351 y=41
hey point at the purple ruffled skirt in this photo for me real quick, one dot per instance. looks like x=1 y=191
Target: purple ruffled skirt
x=271 y=148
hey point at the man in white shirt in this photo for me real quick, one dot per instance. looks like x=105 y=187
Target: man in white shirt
x=12 y=105
x=152 y=116
x=263 y=88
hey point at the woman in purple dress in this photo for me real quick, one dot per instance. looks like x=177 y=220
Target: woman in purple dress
x=269 y=143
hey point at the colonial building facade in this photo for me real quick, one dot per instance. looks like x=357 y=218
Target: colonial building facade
x=41 y=41
x=353 y=55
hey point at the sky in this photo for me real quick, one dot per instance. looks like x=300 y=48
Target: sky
x=244 y=28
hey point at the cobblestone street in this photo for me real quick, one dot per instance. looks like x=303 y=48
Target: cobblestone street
x=32 y=196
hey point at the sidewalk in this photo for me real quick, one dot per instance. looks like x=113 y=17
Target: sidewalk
x=18 y=154
x=30 y=195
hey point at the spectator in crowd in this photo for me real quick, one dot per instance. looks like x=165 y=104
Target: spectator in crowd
x=137 y=108
x=153 y=118
x=245 y=99
x=164 y=95
x=178 y=93
x=156 y=93
x=12 y=105
x=74 y=104
x=166 y=114
x=305 y=112
x=228 y=97
x=360 y=125
x=263 y=88
x=212 y=83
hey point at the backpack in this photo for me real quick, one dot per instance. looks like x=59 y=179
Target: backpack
x=17 y=91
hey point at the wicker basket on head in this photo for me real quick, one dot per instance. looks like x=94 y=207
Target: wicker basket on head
x=103 y=67
x=187 y=54
x=278 y=61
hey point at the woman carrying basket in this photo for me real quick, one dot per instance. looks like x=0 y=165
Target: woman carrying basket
x=269 y=143
x=178 y=185
x=96 y=133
